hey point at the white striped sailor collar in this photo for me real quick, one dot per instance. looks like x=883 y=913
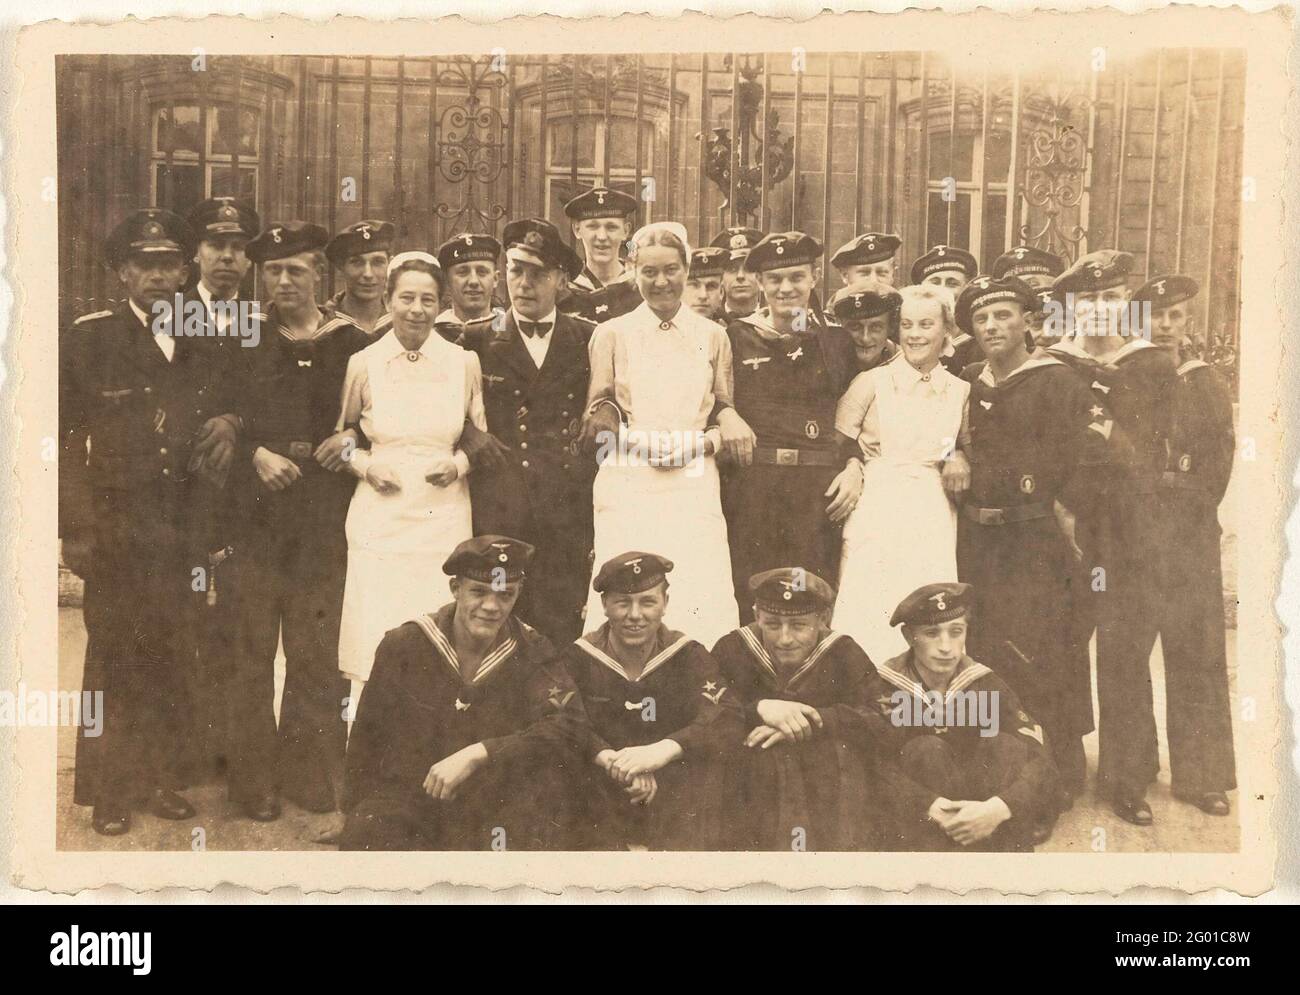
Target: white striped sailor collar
x=436 y=627
x=754 y=641
x=760 y=319
x=1135 y=344
x=1036 y=359
x=447 y=315
x=328 y=322
x=1191 y=364
x=902 y=673
x=595 y=644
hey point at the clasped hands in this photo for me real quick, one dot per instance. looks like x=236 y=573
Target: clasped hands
x=967 y=822
x=634 y=767
x=783 y=722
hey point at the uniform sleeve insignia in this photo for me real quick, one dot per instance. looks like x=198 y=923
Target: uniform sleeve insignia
x=558 y=696
x=1098 y=385
x=1184 y=462
x=986 y=405
x=1027 y=484
x=1102 y=428
x=92 y=317
x=1034 y=732
x=713 y=692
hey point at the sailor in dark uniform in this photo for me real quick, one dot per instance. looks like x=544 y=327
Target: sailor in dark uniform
x=969 y=770
x=536 y=372
x=1190 y=605
x=146 y=422
x=741 y=294
x=361 y=253
x=288 y=564
x=602 y=221
x=662 y=720
x=1037 y=441
x=868 y=310
x=1038 y=269
x=223 y=226
x=469 y=261
x=807 y=776
x=790 y=367
x=469 y=734
x=704 y=284
x=1135 y=382
x=868 y=257
x=951 y=268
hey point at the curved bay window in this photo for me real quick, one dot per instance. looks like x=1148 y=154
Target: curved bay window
x=199 y=151
x=583 y=153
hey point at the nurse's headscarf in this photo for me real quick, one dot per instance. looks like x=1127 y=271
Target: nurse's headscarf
x=674 y=228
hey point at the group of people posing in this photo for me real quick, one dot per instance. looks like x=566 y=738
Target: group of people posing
x=463 y=525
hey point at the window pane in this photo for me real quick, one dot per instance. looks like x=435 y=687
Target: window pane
x=622 y=146
x=187 y=187
x=995 y=229
x=937 y=232
x=222 y=183
x=962 y=163
x=221 y=124
x=997 y=157
x=181 y=134
x=562 y=149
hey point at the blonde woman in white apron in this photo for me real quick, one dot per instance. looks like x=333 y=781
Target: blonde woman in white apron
x=666 y=366
x=907 y=416
x=410 y=393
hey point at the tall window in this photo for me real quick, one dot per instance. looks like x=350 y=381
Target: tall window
x=979 y=223
x=202 y=165
x=627 y=143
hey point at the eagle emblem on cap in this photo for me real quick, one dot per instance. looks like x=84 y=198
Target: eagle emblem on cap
x=871 y=241
x=788 y=593
x=857 y=300
x=600 y=196
x=227 y=213
x=1096 y=273
x=502 y=555
x=737 y=241
x=982 y=283
x=153 y=230
x=941 y=250
x=275 y=235
x=1020 y=253
x=780 y=249
x=1160 y=287
x=365 y=231
x=533 y=240
x=468 y=239
x=939 y=601
x=635 y=565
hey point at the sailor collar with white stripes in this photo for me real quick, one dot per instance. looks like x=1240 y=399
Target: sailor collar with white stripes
x=954 y=341
x=905 y=676
x=432 y=627
x=674 y=641
x=1037 y=359
x=1191 y=364
x=754 y=641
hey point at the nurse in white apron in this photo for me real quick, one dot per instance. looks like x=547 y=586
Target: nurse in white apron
x=907 y=416
x=657 y=488
x=410 y=392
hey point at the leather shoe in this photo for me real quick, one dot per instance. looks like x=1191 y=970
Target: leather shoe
x=110 y=820
x=1133 y=809
x=265 y=808
x=1211 y=803
x=167 y=804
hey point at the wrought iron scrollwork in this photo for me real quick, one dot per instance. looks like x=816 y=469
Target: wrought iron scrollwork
x=472 y=140
x=1056 y=165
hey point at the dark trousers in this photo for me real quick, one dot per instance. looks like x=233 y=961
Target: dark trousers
x=287 y=577
x=685 y=813
x=776 y=517
x=1023 y=628
x=1193 y=641
x=978 y=769
x=138 y=605
x=1123 y=542
x=527 y=807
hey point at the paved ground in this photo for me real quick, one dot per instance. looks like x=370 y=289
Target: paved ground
x=1178 y=827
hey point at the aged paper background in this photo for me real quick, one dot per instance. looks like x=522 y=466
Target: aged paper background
x=984 y=37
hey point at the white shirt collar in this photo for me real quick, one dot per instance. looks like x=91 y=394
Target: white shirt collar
x=550 y=317
x=206 y=295
x=905 y=374
x=146 y=319
x=394 y=348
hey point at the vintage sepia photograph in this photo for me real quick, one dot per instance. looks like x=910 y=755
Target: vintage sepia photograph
x=833 y=447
